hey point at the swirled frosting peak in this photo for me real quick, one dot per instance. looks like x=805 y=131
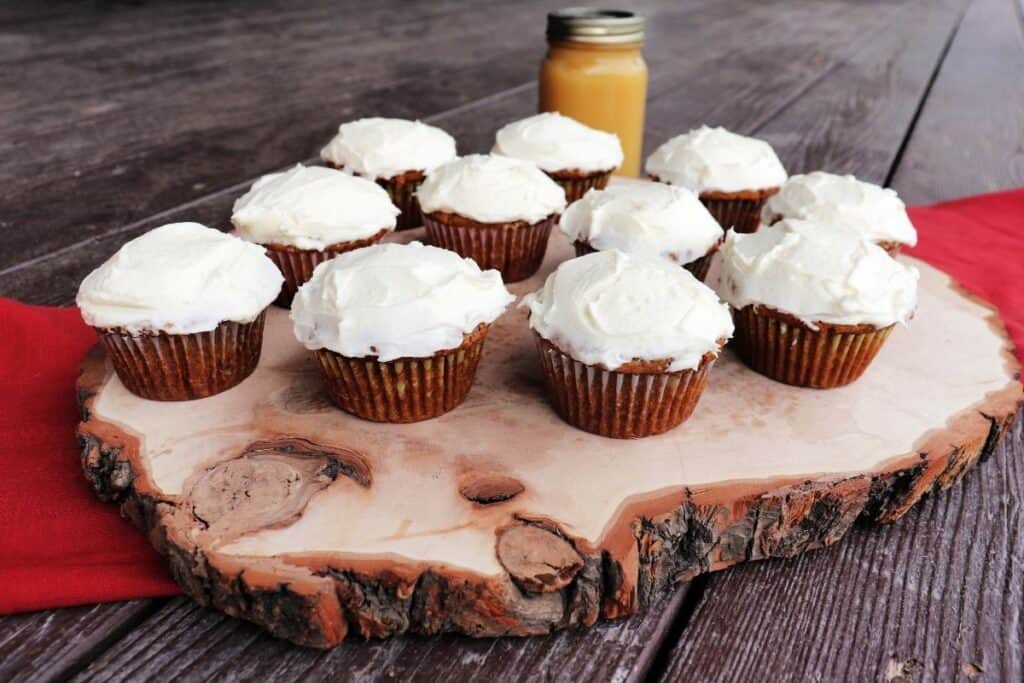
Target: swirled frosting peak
x=609 y=308
x=312 y=207
x=643 y=218
x=396 y=301
x=179 y=278
x=716 y=159
x=875 y=212
x=491 y=189
x=817 y=273
x=559 y=143
x=383 y=148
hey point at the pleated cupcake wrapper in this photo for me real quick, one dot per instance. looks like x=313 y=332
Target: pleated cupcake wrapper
x=181 y=367
x=515 y=249
x=576 y=187
x=405 y=390
x=742 y=215
x=297 y=265
x=779 y=347
x=403 y=195
x=698 y=268
x=619 y=405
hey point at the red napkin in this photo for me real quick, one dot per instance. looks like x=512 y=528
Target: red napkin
x=60 y=546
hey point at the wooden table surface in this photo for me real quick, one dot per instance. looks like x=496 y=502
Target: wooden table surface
x=116 y=117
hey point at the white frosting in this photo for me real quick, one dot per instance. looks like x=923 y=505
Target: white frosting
x=716 y=159
x=311 y=207
x=646 y=219
x=180 y=278
x=559 y=143
x=609 y=308
x=491 y=189
x=396 y=301
x=875 y=212
x=817 y=274
x=384 y=148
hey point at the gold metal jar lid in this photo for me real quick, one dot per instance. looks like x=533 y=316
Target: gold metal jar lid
x=592 y=25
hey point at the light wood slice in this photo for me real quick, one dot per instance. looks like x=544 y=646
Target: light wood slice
x=500 y=519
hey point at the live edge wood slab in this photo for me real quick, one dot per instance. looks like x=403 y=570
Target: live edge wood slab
x=498 y=518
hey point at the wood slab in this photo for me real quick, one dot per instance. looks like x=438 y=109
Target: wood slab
x=498 y=518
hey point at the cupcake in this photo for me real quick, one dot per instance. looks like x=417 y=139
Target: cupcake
x=398 y=329
x=395 y=153
x=645 y=219
x=576 y=156
x=308 y=215
x=876 y=213
x=813 y=303
x=626 y=342
x=732 y=174
x=180 y=310
x=496 y=210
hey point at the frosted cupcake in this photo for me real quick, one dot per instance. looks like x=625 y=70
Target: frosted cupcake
x=732 y=174
x=813 y=303
x=645 y=219
x=180 y=310
x=395 y=153
x=310 y=214
x=617 y=360
x=875 y=212
x=398 y=329
x=576 y=156
x=495 y=210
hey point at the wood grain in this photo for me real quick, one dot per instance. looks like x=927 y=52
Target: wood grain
x=184 y=643
x=969 y=136
x=53 y=644
x=935 y=597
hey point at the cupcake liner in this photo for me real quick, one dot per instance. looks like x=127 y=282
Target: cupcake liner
x=406 y=389
x=402 y=190
x=616 y=404
x=297 y=265
x=699 y=267
x=576 y=184
x=740 y=211
x=780 y=346
x=180 y=367
x=516 y=249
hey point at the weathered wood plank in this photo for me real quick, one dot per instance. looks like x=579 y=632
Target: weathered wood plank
x=936 y=596
x=54 y=644
x=210 y=646
x=969 y=136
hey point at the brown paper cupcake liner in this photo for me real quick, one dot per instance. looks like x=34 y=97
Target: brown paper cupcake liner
x=576 y=183
x=180 y=367
x=740 y=211
x=617 y=404
x=297 y=265
x=406 y=389
x=699 y=268
x=516 y=249
x=780 y=346
x=402 y=189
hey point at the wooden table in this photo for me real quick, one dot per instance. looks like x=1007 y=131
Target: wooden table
x=119 y=118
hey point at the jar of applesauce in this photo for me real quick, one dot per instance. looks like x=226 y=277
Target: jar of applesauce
x=595 y=72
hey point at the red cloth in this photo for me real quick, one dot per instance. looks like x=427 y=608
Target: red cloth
x=60 y=546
